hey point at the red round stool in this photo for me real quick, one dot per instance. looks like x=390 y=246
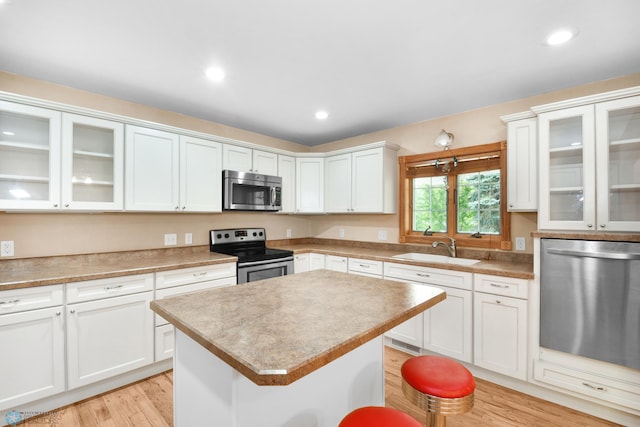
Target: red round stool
x=438 y=385
x=378 y=416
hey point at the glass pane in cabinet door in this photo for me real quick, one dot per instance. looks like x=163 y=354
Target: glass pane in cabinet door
x=565 y=169
x=24 y=157
x=624 y=165
x=92 y=164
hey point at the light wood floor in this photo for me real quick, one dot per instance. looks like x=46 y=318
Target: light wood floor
x=150 y=403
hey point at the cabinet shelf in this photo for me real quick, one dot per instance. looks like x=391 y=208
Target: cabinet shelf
x=566 y=190
x=94 y=183
x=23 y=146
x=624 y=187
x=94 y=154
x=568 y=149
x=24 y=178
x=625 y=144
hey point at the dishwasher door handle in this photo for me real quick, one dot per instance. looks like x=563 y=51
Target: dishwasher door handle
x=604 y=255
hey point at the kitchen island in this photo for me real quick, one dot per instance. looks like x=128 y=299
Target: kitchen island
x=298 y=350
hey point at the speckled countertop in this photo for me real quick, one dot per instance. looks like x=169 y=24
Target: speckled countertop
x=29 y=272
x=278 y=330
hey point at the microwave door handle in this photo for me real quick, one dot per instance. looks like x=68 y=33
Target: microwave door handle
x=273 y=196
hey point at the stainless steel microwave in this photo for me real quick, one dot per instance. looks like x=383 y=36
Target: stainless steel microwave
x=244 y=191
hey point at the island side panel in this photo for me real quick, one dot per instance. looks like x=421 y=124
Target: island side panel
x=207 y=389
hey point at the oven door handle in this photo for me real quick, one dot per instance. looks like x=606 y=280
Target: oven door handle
x=604 y=255
x=275 y=261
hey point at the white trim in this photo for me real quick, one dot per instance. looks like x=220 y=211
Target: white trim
x=518 y=116
x=584 y=100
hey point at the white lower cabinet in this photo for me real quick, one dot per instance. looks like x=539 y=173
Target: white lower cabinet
x=336 y=263
x=111 y=334
x=182 y=281
x=32 y=337
x=300 y=263
x=447 y=326
x=500 y=325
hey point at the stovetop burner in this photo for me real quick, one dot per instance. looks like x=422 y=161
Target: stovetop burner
x=248 y=244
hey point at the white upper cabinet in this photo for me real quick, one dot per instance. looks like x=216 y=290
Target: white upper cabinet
x=168 y=172
x=29 y=157
x=522 y=165
x=590 y=167
x=245 y=159
x=362 y=181
x=92 y=163
x=618 y=152
x=309 y=185
x=287 y=171
x=151 y=170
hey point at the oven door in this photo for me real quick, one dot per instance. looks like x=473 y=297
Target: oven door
x=259 y=270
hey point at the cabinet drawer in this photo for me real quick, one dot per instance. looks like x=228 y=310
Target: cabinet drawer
x=178 y=290
x=107 y=288
x=357 y=265
x=432 y=276
x=185 y=276
x=16 y=300
x=622 y=392
x=498 y=285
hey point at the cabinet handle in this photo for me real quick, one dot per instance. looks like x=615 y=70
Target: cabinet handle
x=7 y=304
x=112 y=288
x=203 y=273
x=55 y=205
x=423 y=275
x=590 y=225
x=498 y=301
x=177 y=208
x=184 y=207
x=593 y=387
x=364 y=265
x=495 y=285
x=58 y=313
x=72 y=311
x=66 y=205
x=603 y=225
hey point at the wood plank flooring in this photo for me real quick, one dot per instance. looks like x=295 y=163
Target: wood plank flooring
x=150 y=403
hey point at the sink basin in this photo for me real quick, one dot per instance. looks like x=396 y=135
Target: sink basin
x=415 y=256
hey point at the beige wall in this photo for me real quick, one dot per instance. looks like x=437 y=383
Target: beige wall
x=61 y=234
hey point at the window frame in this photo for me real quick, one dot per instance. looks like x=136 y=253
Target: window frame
x=477 y=158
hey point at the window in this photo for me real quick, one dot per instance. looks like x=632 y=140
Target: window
x=457 y=193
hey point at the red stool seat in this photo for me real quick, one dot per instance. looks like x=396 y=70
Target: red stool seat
x=438 y=376
x=378 y=416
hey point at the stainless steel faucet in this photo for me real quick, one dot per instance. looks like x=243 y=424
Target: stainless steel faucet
x=451 y=248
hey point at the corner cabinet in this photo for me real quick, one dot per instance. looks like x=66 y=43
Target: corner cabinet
x=590 y=166
x=287 y=171
x=309 y=185
x=169 y=172
x=361 y=181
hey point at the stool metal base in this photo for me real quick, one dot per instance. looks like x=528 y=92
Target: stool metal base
x=437 y=408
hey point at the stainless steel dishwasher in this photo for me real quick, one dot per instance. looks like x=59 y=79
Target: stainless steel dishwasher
x=590 y=299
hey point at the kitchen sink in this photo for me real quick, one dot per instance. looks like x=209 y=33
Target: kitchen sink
x=415 y=256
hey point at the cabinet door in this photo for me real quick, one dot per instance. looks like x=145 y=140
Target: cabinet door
x=367 y=186
x=448 y=325
x=317 y=261
x=300 y=263
x=500 y=332
x=265 y=163
x=287 y=171
x=92 y=163
x=237 y=158
x=33 y=363
x=29 y=157
x=522 y=165
x=336 y=263
x=409 y=331
x=567 y=169
x=309 y=185
x=618 y=164
x=151 y=170
x=200 y=175
x=338 y=183
x=108 y=337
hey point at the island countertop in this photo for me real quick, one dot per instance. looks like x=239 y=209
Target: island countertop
x=278 y=330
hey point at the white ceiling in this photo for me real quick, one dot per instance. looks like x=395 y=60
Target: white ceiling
x=372 y=64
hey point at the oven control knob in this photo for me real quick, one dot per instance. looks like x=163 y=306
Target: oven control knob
x=226 y=235
x=255 y=234
x=218 y=236
x=261 y=234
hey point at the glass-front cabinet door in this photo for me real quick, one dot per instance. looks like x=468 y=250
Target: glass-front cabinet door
x=29 y=157
x=92 y=163
x=567 y=169
x=618 y=164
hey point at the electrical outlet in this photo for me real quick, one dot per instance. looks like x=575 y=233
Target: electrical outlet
x=341 y=233
x=6 y=248
x=382 y=234
x=520 y=244
x=170 y=239
x=188 y=238
x=288 y=232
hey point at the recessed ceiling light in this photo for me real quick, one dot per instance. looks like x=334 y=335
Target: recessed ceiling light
x=215 y=73
x=321 y=115
x=560 y=37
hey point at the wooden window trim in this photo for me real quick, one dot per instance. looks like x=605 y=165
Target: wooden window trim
x=408 y=169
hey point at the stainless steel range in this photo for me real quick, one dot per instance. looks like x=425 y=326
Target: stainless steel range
x=255 y=260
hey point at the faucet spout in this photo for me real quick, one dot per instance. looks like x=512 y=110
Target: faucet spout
x=451 y=247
